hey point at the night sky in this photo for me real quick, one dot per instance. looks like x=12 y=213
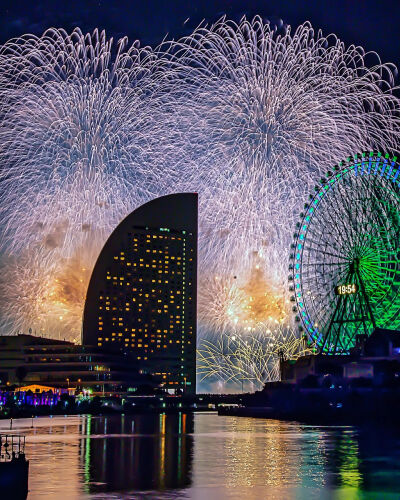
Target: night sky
x=374 y=24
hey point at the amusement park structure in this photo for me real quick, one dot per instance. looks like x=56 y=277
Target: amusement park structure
x=345 y=257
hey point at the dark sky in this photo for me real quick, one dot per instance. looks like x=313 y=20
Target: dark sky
x=373 y=24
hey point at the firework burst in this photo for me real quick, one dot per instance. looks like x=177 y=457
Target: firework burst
x=250 y=360
x=75 y=140
x=259 y=114
x=247 y=115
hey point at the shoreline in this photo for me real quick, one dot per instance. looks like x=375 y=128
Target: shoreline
x=105 y=411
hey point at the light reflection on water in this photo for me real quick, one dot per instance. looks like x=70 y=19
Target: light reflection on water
x=204 y=456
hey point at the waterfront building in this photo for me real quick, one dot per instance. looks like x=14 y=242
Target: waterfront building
x=36 y=362
x=141 y=297
x=34 y=395
x=375 y=359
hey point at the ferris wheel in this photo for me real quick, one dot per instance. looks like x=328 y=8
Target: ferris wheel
x=345 y=260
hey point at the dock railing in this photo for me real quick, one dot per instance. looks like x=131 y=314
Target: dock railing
x=12 y=447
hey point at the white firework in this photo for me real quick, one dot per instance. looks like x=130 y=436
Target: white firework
x=259 y=116
x=75 y=134
x=246 y=115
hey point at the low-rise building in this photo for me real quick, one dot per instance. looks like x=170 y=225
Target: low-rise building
x=27 y=360
x=376 y=358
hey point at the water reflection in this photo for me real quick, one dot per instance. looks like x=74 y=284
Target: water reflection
x=205 y=456
x=255 y=459
x=151 y=452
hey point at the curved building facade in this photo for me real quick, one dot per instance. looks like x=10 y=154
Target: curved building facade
x=142 y=293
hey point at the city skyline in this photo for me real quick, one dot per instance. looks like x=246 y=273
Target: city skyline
x=199 y=249
x=114 y=129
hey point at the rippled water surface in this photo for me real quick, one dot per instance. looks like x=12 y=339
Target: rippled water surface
x=204 y=456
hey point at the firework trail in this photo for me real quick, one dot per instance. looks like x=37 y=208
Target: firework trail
x=251 y=360
x=247 y=115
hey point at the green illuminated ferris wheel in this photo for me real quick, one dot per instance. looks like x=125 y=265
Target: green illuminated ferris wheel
x=345 y=260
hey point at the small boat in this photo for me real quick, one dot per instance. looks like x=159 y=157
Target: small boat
x=14 y=468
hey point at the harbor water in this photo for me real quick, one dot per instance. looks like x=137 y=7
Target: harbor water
x=205 y=456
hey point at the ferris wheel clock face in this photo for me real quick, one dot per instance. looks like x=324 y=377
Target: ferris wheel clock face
x=345 y=261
